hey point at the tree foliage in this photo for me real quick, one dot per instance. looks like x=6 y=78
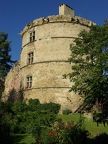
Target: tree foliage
x=89 y=61
x=5 y=58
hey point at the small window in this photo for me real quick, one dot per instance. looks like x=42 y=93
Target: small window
x=32 y=36
x=29 y=82
x=30 y=58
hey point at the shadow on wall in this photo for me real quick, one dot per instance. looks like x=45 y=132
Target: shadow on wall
x=15 y=95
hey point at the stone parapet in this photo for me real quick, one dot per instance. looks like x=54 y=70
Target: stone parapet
x=56 y=19
x=84 y=21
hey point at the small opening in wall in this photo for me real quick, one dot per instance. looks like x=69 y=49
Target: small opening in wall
x=30 y=58
x=28 y=82
x=32 y=36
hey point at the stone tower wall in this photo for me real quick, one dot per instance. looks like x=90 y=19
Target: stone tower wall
x=53 y=36
x=51 y=51
x=12 y=83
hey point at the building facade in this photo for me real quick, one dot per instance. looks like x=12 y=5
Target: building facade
x=43 y=59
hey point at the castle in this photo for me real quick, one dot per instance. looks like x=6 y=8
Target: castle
x=43 y=60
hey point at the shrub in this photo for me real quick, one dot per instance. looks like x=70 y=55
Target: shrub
x=51 y=107
x=19 y=107
x=4 y=122
x=65 y=112
x=64 y=133
x=41 y=124
x=33 y=104
x=48 y=137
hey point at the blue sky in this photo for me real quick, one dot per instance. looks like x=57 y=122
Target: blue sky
x=15 y=14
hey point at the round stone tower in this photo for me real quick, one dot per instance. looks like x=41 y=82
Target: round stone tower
x=44 y=55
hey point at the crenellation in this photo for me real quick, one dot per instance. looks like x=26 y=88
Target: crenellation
x=59 y=18
x=46 y=20
x=55 y=19
x=84 y=21
x=39 y=21
x=30 y=25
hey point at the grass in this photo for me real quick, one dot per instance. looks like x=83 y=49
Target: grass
x=93 y=129
x=71 y=117
x=22 y=139
x=88 y=124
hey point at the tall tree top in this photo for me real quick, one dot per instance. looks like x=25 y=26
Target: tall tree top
x=5 y=57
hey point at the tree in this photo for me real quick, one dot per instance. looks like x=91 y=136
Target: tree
x=5 y=57
x=89 y=61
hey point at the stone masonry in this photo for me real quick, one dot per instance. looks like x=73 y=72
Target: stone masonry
x=45 y=44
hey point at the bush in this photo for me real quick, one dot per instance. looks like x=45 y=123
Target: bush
x=20 y=117
x=5 y=122
x=19 y=107
x=50 y=107
x=40 y=124
x=63 y=133
x=33 y=104
x=65 y=111
x=48 y=137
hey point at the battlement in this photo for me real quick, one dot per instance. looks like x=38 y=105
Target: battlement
x=56 y=19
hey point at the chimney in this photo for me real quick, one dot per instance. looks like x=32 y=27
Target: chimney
x=66 y=10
